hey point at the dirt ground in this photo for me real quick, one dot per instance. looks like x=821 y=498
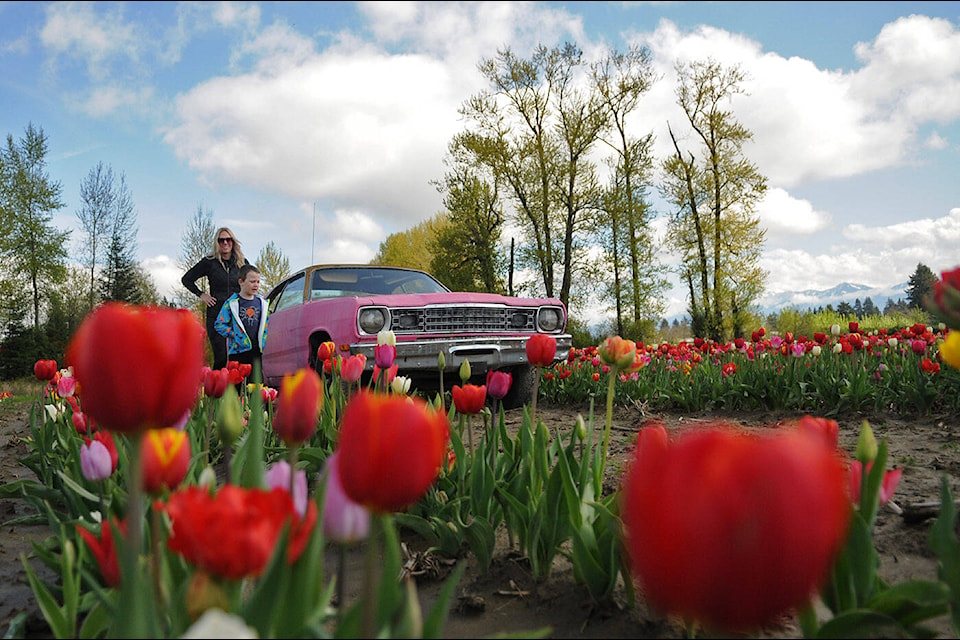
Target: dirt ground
x=506 y=599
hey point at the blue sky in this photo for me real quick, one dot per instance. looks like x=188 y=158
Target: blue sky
x=267 y=112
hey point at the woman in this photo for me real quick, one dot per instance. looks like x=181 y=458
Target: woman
x=222 y=271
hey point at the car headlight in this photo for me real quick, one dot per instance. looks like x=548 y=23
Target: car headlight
x=373 y=320
x=549 y=319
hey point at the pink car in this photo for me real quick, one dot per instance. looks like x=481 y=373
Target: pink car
x=350 y=304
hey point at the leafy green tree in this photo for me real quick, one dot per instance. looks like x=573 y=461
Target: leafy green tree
x=410 y=248
x=920 y=286
x=621 y=79
x=869 y=308
x=33 y=252
x=273 y=265
x=534 y=127
x=466 y=249
x=715 y=189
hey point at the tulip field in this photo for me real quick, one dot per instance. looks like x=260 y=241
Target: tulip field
x=188 y=502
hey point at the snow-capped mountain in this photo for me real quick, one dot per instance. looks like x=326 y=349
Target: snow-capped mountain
x=844 y=292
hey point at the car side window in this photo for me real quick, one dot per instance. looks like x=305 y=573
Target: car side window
x=291 y=295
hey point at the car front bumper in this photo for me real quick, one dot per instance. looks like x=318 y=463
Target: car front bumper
x=483 y=353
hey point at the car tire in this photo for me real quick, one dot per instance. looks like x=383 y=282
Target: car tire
x=521 y=389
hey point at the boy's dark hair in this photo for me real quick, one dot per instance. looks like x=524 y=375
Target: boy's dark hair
x=247 y=268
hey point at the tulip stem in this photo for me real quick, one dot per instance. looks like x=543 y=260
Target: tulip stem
x=370 y=578
x=533 y=400
x=606 y=429
x=466 y=419
x=341 y=578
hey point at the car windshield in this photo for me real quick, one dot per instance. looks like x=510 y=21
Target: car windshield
x=338 y=282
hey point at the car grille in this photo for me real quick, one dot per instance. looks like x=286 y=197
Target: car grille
x=462 y=319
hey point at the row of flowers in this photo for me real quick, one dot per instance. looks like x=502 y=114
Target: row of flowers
x=899 y=371
x=175 y=500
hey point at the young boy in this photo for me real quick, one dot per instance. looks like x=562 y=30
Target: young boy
x=243 y=321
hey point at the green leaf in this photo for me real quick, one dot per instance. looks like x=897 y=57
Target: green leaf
x=943 y=541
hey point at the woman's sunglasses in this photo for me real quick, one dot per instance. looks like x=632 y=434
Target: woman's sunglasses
x=225 y=240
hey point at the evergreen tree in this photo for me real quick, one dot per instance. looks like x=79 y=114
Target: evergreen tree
x=869 y=309
x=920 y=286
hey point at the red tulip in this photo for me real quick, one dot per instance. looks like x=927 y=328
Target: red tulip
x=499 y=383
x=233 y=533
x=391 y=448
x=541 y=350
x=825 y=428
x=139 y=367
x=352 y=368
x=215 y=382
x=298 y=406
x=45 y=369
x=104 y=550
x=166 y=459
x=891 y=478
x=732 y=529
x=81 y=422
x=469 y=398
x=326 y=350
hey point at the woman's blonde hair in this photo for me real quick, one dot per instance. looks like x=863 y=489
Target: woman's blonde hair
x=237 y=254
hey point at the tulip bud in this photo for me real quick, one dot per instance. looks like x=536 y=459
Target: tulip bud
x=866 y=444
x=208 y=478
x=229 y=417
x=441 y=361
x=465 y=371
x=581 y=427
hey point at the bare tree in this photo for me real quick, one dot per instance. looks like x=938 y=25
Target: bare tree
x=195 y=243
x=95 y=215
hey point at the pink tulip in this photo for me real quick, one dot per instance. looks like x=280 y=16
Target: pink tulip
x=278 y=475
x=95 y=461
x=343 y=519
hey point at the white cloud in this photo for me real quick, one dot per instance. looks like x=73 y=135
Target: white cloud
x=783 y=215
x=166 y=274
x=874 y=256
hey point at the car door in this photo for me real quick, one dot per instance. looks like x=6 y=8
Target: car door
x=285 y=350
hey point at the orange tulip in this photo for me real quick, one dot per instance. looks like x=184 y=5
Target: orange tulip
x=166 y=459
x=618 y=353
x=391 y=448
x=139 y=366
x=298 y=406
x=732 y=529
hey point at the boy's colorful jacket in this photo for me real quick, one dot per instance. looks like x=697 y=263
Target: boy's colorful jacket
x=228 y=324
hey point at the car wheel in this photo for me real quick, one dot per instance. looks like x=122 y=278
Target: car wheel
x=521 y=389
